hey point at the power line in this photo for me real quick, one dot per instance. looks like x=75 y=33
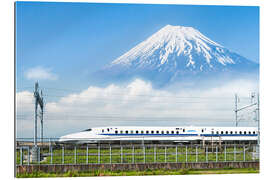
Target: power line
x=115 y=116
x=105 y=99
x=63 y=118
x=160 y=96
x=181 y=110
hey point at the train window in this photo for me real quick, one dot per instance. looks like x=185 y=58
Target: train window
x=116 y=132
x=249 y=132
x=172 y=132
x=221 y=132
x=152 y=132
x=183 y=130
x=202 y=130
x=231 y=132
x=137 y=132
x=147 y=132
x=226 y=132
x=103 y=130
x=141 y=132
x=162 y=132
x=167 y=132
x=108 y=129
x=254 y=132
x=131 y=132
x=121 y=132
x=177 y=132
x=88 y=130
x=245 y=132
x=157 y=132
x=126 y=132
x=212 y=132
x=240 y=132
x=235 y=132
x=217 y=132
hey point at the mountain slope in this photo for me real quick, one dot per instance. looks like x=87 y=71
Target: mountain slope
x=177 y=53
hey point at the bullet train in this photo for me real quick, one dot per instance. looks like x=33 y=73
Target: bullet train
x=158 y=134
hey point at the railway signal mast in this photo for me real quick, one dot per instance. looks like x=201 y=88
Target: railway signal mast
x=38 y=102
x=41 y=116
x=257 y=111
x=258 y=117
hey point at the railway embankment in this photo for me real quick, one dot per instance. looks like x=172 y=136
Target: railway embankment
x=58 y=168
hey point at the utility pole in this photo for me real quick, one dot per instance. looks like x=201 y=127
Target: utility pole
x=38 y=101
x=258 y=117
x=236 y=101
x=257 y=114
x=242 y=108
x=41 y=118
x=36 y=114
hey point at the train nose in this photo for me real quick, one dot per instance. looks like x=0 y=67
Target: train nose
x=69 y=137
x=64 y=138
x=75 y=137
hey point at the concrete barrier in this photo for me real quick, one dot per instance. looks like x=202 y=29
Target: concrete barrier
x=127 y=167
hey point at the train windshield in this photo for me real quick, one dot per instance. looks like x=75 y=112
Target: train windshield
x=88 y=130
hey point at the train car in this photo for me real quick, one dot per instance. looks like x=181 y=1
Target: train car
x=162 y=134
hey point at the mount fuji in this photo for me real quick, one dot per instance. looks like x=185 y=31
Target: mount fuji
x=178 y=54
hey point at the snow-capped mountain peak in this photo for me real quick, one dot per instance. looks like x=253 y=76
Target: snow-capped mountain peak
x=177 y=52
x=175 y=41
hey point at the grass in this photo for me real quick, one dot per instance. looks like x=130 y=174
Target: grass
x=141 y=173
x=163 y=154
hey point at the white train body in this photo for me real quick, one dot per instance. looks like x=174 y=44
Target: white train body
x=175 y=134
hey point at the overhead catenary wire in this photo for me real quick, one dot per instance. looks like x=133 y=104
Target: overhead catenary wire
x=138 y=95
x=124 y=98
x=89 y=118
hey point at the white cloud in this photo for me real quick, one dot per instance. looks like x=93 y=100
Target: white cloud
x=38 y=73
x=138 y=103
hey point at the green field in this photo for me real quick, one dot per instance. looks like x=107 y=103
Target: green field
x=141 y=173
x=140 y=155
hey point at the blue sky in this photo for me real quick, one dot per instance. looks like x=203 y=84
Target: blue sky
x=73 y=40
x=62 y=44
